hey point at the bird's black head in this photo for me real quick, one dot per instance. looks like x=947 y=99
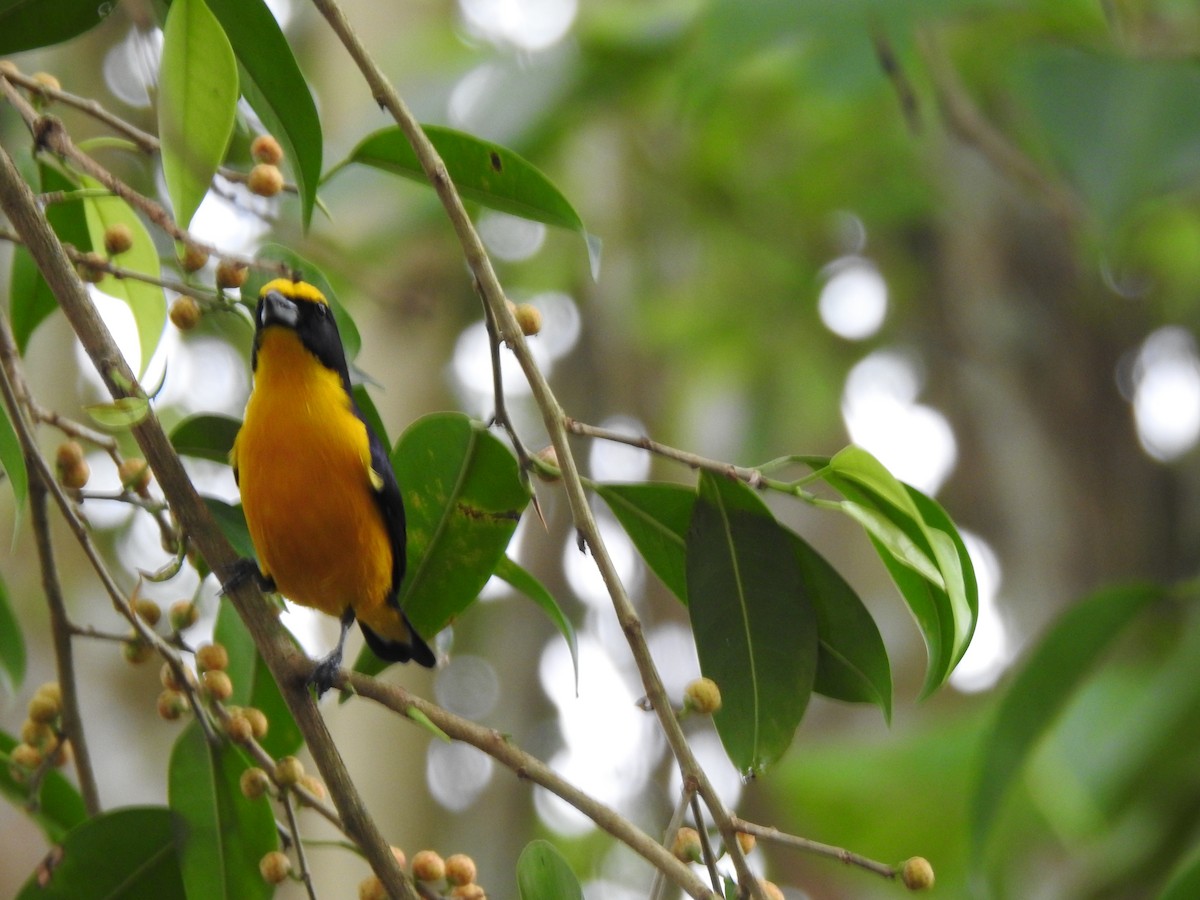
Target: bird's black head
x=300 y=307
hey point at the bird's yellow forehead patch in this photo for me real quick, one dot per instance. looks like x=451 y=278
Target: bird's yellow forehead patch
x=295 y=290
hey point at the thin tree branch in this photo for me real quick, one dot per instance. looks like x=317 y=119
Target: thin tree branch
x=767 y=833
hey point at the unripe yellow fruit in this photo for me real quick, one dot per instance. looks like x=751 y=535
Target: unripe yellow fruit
x=194 y=258
x=460 y=869
x=468 y=892
x=43 y=709
x=254 y=783
x=686 y=846
x=746 y=842
x=428 y=865
x=134 y=474
x=147 y=610
x=46 y=80
x=703 y=696
x=185 y=313
x=71 y=466
x=26 y=757
x=8 y=67
x=136 y=650
x=288 y=771
x=230 y=274
x=265 y=180
x=371 y=888
x=275 y=867
x=92 y=267
x=265 y=149
x=917 y=874
x=168 y=679
x=217 y=684
x=529 y=318
x=212 y=657
x=171 y=705
x=770 y=889
x=238 y=729
x=182 y=615
x=118 y=238
x=313 y=785
x=38 y=734
x=258 y=721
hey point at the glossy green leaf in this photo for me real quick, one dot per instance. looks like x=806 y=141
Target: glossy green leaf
x=307 y=271
x=26 y=24
x=125 y=854
x=57 y=806
x=220 y=835
x=523 y=581
x=12 y=458
x=205 y=436
x=754 y=624
x=274 y=86
x=487 y=173
x=852 y=663
x=463 y=498
x=232 y=523
x=1184 y=881
x=197 y=100
x=146 y=301
x=253 y=684
x=656 y=517
x=120 y=414
x=1043 y=686
x=12 y=643
x=543 y=873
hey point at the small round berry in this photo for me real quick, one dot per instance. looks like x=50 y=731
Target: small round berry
x=460 y=869
x=371 y=888
x=182 y=615
x=68 y=454
x=51 y=691
x=230 y=274
x=427 y=865
x=185 y=313
x=134 y=474
x=212 y=657
x=217 y=684
x=313 y=785
x=118 y=238
x=26 y=756
x=43 y=709
x=8 y=67
x=265 y=180
x=258 y=721
x=401 y=859
x=746 y=842
x=686 y=846
x=265 y=149
x=770 y=890
x=549 y=456
x=239 y=730
x=917 y=874
x=468 y=892
x=169 y=680
x=254 y=783
x=38 y=734
x=275 y=867
x=60 y=755
x=194 y=258
x=91 y=267
x=171 y=705
x=529 y=318
x=46 y=80
x=136 y=650
x=702 y=695
x=288 y=771
x=147 y=610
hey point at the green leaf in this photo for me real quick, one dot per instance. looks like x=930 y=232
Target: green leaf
x=544 y=874
x=852 y=662
x=232 y=523
x=12 y=643
x=308 y=271
x=220 y=835
x=26 y=24
x=146 y=301
x=120 y=414
x=205 y=436
x=921 y=549
x=253 y=684
x=275 y=88
x=370 y=413
x=524 y=582
x=12 y=457
x=755 y=626
x=487 y=173
x=1184 y=881
x=124 y=854
x=57 y=807
x=197 y=101
x=1042 y=688
x=656 y=517
x=463 y=496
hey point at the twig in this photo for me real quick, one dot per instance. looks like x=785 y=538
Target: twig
x=285 y=798
x=685 y=799
x=768 y=833
x=706 y=850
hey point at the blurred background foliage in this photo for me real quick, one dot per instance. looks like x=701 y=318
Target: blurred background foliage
x=963 y=233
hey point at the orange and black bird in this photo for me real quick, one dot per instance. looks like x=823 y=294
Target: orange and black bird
x=320 y=498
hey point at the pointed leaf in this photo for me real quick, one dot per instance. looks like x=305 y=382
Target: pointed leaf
x=197 y=101
x=755 y=626
x=205 y=436
x=57 y=807
x=852 y=663
x=12 y=644
x=524 y=582
x=232 y=523
x=275 y=88
x=120 y=414
x=543 y=873
x=220 y=835
x=1043 y=687
x=26 y=24
x=487 y=173
x=146 y=301
x=121 y=854
x=656 y=518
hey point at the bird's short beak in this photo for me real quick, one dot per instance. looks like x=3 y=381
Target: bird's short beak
x=277 y=309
